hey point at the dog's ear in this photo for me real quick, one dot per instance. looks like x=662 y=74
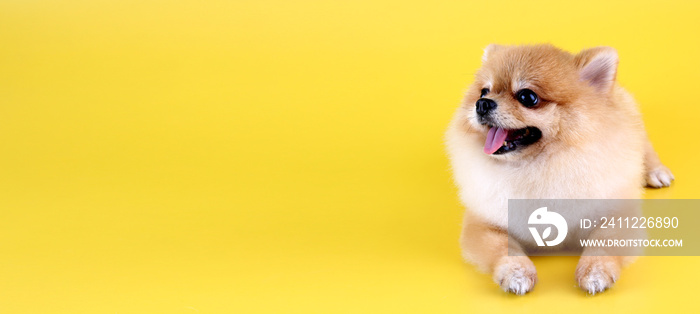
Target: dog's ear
x=489 y=50
x=598 y=67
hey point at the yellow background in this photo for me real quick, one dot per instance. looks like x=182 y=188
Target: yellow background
x=287 y=157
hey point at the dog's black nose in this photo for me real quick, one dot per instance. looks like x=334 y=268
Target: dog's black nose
x=484 y=105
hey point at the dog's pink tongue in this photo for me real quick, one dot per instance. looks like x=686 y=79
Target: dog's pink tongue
x=494 y=139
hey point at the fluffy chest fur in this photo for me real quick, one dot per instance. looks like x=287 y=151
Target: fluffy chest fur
x=609 y=167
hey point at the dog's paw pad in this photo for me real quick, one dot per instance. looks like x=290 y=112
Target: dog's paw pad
x=659 y=177
x=596 y=277
x=517 y=278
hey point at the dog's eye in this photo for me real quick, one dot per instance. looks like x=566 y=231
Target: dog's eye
x=527 y=97
x=484 y=91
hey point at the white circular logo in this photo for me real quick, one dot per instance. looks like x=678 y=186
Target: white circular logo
x=542 y=217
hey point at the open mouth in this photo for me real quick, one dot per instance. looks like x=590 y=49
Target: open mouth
x=500 y=140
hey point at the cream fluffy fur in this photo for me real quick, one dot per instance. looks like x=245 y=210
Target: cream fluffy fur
x=593 y=146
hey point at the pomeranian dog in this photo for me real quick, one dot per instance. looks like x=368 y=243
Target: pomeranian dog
x=541 y=123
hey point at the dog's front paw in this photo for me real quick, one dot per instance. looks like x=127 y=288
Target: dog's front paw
x=596 y=274
x=515 y=274
x=660 y=176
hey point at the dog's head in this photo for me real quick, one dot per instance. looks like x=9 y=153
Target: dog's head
x=527 y=99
